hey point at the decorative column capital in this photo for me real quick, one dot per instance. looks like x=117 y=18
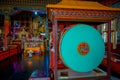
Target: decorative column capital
x=6 y=12
x=7 y=17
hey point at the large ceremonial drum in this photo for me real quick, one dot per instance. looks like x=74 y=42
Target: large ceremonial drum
x=82 y=48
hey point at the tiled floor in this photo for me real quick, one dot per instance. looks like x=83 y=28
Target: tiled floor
x=20 y=67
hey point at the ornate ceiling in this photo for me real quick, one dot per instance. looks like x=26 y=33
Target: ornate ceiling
x=42 y=3
x=13 y=6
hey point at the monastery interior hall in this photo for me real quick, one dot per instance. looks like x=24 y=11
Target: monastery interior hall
x=59 y=39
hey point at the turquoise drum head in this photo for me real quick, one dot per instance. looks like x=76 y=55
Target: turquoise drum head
x=82 y=48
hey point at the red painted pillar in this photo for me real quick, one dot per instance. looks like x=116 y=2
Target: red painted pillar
x=109 y=50
x=6 y=29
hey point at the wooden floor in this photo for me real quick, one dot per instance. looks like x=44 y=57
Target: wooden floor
x=20 y=67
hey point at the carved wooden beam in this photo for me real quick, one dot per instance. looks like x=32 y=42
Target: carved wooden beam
x=82 y=15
